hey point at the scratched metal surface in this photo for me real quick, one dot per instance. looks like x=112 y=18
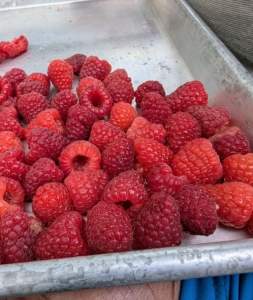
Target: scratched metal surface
x=162 y=40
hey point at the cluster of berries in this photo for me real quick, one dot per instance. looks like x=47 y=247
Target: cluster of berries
x=104 y=175
x=10 y=49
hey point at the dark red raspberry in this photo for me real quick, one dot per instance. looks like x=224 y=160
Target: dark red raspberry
x=13 y=48
x=5 y=89
x=76 y=61
x=148 y=86
x=197 y=210
x=250 y=225
x=9 y=139
x=28 y=85
x=121 y=90
x=12 y=101
x=188 y=94
x=158 y=224
x=9 y=121
x=41 y=77
x=42 y=171
x=118 y=74
x=86 y=82
x=63 y=238
x=108 y=229
x=86 y=188
x=15 y=76
x=95 y=67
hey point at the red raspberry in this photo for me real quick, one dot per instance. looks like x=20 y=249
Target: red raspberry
x=86 y=188
x=44 y=170
x=86 y=82
x=118 y=74
x=18 y=235
x=181 y=128
x=122 y=115
x=29 y=85
x=41 y=77
x=29 y=105
x=12 y=101
x=95 y=67
x=133 y=174
x=198 y=161
x=108 y=229
x=9 y=139
x=188 y=94
x=50 y=201
x=62 y=101
x=79 y=156
x=197 y=210
x=230 y=141
x=148 y=86
x=14 y=48
x=9 y=121
x=148 y=153
x=103 y=133
x=141 y=127
x=60 y=74
x=117 y=157
x=121 y=90
x=76 y=61
x=161 y=179
x=5 y=89
x=43 y=142
x=97 y=99
x=15 y=76
x=234 y=202
x=158 y=224
x=63 y=238
x=250 y=225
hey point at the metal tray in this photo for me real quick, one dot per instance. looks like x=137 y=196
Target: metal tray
x=162 y=40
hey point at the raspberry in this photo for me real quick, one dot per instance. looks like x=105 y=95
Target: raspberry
x=148 y=86
x=148 y=153
x=97 y=99
x=41 y=77
x=62 y=101
x=9 y=121
x=161 y=179
x=132 y=174
x=103 y=133
x=117 y=157
x=95 y=67
x=141 y=127
x=9 y=139
x=15 y=76
x=63 y=238
x=50 y=201
x=60 y=74
x=86 y=188
x=86 y=82
x=79 y=156
x=5 y=89
x=154 y=108
x=12 y=101
x=14 y=48
x=230 y=141
x=76 y=61
x=197 y=210
x=108 y=229
x=18 y=236
x=118 y=74
x=29 y=85
x=188 y=94
x=121 y=90
x=234 y=202
x=43 y=142
x=181 y=128
x=198 y=161
x=158 y=224
x=29 y=105
x=122 y=115
x=44 y=170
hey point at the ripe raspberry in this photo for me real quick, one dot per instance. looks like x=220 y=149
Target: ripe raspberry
x=181 y=128
x=60 y=74
x=43 y=142
x=230 y=141
x=161 y=179
x=44 y=170
x=9 y=139
x=188 y=94
x=133 y=174
x=154 y=108
x=15 y=76
x=5 y=89
x=86 y=82
x=50 y=201
x=148 y=153
x=85 y=188
x=9 y=121
x=250 y=225
x=79 y=156
x=234 y=201
x=63 y=238
x=12 y=101
x=121 y=90
x=97 y=99
x=29 y=86
x=62 y=101
x=117 y=157
x=76 y=61
x=41 y=77
x=197 y=210
x=103 y=133
x=108 y=229
x=141 y=127
x=211 y=119
x=118 y=74
x=14 y=48
x=95 y=67
x=148 y=86
x=29 y=105
x=158 y=224
x=122 y=115
x=198 y=161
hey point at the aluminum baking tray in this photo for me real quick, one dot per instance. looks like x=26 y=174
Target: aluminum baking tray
x=162 y=40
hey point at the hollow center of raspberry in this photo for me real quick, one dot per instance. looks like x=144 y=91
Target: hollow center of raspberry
x=79 y=162
x=7 y=197
x=125 y=204
x=96 y=100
